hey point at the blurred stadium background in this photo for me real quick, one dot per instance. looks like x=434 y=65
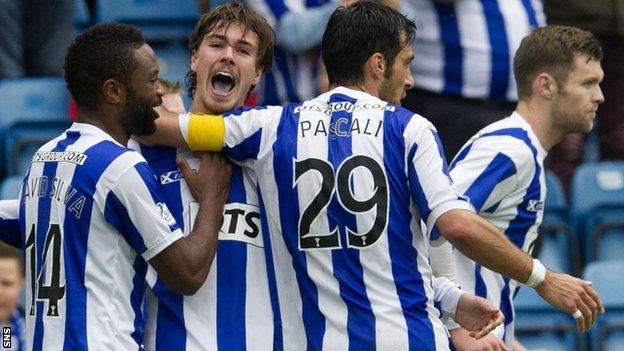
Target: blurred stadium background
x=582 y=234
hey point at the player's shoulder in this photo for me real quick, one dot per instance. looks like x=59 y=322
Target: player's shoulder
x=506 y=137
x=257 y=110
x=411 y=124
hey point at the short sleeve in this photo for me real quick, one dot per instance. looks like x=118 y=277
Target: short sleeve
x=136 y=209
x=490 y=170
x=430 y=185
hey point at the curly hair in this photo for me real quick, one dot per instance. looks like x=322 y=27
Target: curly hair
x=104 y=51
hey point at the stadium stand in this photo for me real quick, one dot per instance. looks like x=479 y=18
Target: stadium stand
x=159 y=20
x=557 y=245
x=541 y=326
x=166 y=25
x=608 y=333
x=32 y=110
x=82 y=18
x=597 y=208
x=10 y=187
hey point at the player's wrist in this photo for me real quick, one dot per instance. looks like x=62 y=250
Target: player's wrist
x=538 y=274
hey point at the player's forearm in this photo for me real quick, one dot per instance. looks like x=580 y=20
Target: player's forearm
x=201 y=244
x=482 y=242
x=167 y=132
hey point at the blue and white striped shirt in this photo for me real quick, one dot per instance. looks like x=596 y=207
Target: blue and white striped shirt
x=466 y=47
x=501 y=171
x=344 y=180
x=92 y=217
x=232 y=310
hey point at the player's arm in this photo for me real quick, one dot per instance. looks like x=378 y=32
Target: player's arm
x=136 y=209
x=9 y=223
x=237 y=134
x=167 y=132
x=475 y=314
x=478 y=239
x=185 y=264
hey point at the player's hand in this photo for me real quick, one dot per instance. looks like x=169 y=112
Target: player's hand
x=464 y=342
x=570 y=294
x=212 y=181
x=477 y=315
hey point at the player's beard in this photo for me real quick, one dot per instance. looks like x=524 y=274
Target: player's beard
x=139 y=115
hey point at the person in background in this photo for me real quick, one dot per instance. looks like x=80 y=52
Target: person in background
x=11 y=283
x=172 y=97
x=33 y=37
x=501 y=168
x=463 y=78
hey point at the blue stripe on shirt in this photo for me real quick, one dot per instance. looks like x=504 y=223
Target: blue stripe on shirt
x=278 y=341
x=85 y=178
x=530 y=11
x=500 y=70
x=519 y=226
x=407 y=278
x=232 y=279
x=170 y=323
x=170 y=327
x=117 y=215
x=416 y=190
x=41 y=233
x=500 y=168
x=313 y=319
x=453 y=55
x=346 y=261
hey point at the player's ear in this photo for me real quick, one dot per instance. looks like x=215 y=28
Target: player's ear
x=257 y=76
x=376 y=65
x=194 y=60
x=545 y=86
x=113 y=91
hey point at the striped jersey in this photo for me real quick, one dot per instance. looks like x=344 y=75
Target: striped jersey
x=232 y=310
x=292 y=77
x=91 y=216
x=501 y=171
x=466 y=47
x=344 y=180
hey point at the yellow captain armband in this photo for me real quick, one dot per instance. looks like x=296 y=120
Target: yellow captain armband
x=205 y=132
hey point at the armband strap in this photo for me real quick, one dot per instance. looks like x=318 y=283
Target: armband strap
x=538 y=274
x=205 y=132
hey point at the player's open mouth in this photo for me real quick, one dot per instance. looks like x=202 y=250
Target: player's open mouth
x=223 y=82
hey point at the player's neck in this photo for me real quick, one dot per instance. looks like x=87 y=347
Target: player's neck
x=105 y=122
x=367 y=88
x=538 y=117
x=198 y=106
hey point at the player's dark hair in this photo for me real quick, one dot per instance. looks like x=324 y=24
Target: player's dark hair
x=551 y=50
x=354 y=33
x=104 y=51
x=223 y=16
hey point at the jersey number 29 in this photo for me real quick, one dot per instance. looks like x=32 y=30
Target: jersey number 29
x=341 y=182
